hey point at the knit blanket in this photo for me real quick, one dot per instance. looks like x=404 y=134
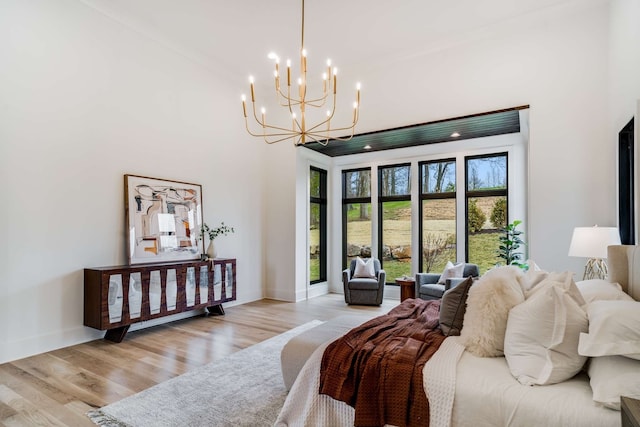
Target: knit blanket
x=376 y=368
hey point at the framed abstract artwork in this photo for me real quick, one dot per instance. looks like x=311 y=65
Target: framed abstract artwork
x=163 y=220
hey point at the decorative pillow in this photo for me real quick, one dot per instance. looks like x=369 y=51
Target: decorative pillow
x=565 y=281
x=453 y=306
x=451 y=271
x=364 y=269
x=488 y=305
x=599 y=289
x=533 y=276
x=614 y=330
x=541 y=340
x=612 y=377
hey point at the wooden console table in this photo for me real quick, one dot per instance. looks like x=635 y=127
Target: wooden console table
x=116 y=297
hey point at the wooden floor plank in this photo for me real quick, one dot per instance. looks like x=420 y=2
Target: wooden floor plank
x=58 y=388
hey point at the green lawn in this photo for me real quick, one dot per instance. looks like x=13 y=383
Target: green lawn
x=314 y=269
x=482 y=246
x=482 y=250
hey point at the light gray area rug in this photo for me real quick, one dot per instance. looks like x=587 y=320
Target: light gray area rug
x=243 y=389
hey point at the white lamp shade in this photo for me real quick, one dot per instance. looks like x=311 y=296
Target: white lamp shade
x=592 y=242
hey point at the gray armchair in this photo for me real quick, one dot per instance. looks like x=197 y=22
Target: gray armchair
x=427 y=286
x=363 y=290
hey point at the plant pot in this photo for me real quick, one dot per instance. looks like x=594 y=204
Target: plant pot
x=211 y=250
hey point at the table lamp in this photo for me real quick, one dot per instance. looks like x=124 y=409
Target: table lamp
x=592 y=243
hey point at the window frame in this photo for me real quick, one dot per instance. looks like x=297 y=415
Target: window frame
x=347 y=201
x=482 y=193
x=381 y=200
x=322 y=201
x=422 y=196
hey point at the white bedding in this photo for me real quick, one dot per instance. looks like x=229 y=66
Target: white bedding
x=484 y=391
x=486 y=394
x=306 y=407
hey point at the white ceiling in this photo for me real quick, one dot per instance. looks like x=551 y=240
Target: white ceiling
x=234 y=37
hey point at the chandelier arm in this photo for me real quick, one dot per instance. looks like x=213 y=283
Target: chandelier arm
x=350 y=127
x=255 y=115
x=288 y=132
x=293 y=136
x=286 y=98
x=328 y=119
x=285 y=130
x=329 y=131
x=322 y=99
x=319 y=141
x=264 y=124
x=338 y=138
x=295 y=103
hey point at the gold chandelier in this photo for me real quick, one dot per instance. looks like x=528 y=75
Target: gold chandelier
x=300 y=131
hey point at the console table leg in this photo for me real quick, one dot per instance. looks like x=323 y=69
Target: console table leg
x=116 y=334
x=216 y=309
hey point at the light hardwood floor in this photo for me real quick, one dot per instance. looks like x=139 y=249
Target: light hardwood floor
x=59 y=387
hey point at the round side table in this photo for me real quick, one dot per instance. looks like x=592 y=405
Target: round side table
x=407 y=287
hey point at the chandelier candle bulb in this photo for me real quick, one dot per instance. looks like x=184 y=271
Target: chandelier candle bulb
x=244 y=106
x=253 y=95
x=304 y=60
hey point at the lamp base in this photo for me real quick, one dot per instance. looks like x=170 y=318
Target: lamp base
x=596 y=268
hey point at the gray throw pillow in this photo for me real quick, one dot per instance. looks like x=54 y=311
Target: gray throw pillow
x=453 y=306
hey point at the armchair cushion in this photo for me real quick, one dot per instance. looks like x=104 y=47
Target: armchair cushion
x=450 y=271
x=364 y=268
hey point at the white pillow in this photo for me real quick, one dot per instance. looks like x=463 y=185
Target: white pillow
x=364 y=269
x=565 y=281
x=612 y=377
x=533 y=276
x=541 y=340
x=451 y=271
x=488 y=305
x=599 y=289
x=614 y=329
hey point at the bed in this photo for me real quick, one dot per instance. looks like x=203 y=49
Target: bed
x=465 y=389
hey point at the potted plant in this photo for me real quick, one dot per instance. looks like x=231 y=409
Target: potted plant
x=212 y=233
x=510 y=242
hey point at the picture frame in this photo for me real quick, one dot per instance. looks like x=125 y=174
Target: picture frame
x=163 y=220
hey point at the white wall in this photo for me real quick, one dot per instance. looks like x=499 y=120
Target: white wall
x=84 y=101
x=624 y=75
x=557 y=64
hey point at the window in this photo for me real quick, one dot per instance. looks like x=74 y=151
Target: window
x=317 y=225
x=437 y=232
x=486 y=206
x=394 y=225
x=356 y=214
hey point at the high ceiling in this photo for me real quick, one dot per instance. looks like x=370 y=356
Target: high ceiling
x=234 y=37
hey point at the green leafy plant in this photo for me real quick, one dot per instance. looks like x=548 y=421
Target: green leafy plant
x=510 y=242
x=212 y=233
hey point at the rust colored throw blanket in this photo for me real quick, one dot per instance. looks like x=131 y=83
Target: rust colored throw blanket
x=376 y=367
